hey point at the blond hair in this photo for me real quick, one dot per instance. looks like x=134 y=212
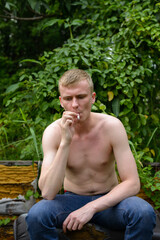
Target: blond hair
x=74 y=76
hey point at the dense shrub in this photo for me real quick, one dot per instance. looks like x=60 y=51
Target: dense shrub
x=117 y=42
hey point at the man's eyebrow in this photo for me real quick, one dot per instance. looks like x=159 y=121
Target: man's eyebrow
x=67 y=97
x=81 y=95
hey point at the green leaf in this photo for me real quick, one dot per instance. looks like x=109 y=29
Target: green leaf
x=138 y=80
x=135 y=92
x=57 y=69
x=32 y=3
x=28 y=194
x=116 y=106
x=32 y=61
x=51 y=23
x=102 y=107
x=77 y=22
x=66 y=51
x=23 y=115
x=12 y=88
x=155 y=118
x=8 y=5
x=35 y=141
x=153 y=188
x=94 y=108
x=133 y=41
x=143 y=119
x=151 y=137
x=6 y=221
x=149 y=159
x=113 y=19
x=36 y=195
x=85 y=60
x=124 y=112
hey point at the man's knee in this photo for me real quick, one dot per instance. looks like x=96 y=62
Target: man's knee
x=39 y=214
x=142 y=211
x=147 y=215
x=34 y=216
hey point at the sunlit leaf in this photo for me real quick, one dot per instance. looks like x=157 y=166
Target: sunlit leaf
x=153 y=152
x=110 y=95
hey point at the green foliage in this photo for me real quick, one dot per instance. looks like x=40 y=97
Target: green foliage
x=6 y=221
x=122 y=56
x=151 y=185
x=150 y=179
x=30 y=193
x=116 y=42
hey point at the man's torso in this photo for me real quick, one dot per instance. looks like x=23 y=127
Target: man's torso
x=91 y=166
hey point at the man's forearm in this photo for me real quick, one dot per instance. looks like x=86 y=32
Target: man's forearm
x=51 y=181
x=78 y=218
x=116 y=195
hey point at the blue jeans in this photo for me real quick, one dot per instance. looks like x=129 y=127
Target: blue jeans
x=134 y=215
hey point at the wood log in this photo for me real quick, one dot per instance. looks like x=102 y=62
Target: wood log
x=88 y=232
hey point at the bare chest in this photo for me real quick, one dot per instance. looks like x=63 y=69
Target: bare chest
x=92 y=152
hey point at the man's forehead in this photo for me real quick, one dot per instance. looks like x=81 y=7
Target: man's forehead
x=78 y=86
x=70 y=84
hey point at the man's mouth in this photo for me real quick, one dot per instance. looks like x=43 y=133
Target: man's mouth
x=78 y=117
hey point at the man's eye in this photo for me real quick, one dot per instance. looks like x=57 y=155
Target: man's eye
x=81 y=97
x=68 y=99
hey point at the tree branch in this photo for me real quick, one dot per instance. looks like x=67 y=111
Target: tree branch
x=26 y=19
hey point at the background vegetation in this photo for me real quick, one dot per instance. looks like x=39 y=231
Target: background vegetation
x=117 y=42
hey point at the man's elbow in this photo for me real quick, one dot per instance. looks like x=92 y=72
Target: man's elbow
x=137 y=186
x=48 y=192
x=47 y=195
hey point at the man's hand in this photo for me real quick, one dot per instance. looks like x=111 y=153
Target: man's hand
x=77 y=219
x=68 y=122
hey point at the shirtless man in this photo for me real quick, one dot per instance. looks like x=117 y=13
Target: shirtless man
x=80 y=151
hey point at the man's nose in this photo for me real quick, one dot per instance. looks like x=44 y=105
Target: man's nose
x=74 y=103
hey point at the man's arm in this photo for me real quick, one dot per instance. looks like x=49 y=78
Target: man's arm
x=54 y=164
x=126 y=165
x=56 y=146
x=129 y=185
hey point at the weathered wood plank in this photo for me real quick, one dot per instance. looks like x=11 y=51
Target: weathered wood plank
x=18 y=162
x=15 y=206
x=89 y=232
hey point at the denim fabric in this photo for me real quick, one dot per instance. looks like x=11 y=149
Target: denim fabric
x=134 y=215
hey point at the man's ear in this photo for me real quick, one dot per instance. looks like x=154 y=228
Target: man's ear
x=93 y=97
x=60 y=99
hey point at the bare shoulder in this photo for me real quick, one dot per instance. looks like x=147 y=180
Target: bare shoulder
x=53 y=126
x=52 y=134
x=111 y=128
x=109 y=122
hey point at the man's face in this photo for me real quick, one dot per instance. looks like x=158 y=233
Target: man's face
x=77 y=98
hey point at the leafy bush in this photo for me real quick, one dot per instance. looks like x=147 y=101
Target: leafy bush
x=117 y=43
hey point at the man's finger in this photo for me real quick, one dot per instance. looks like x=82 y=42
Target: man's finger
x=75 y=226
x=65 y=224
x=80 y=226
